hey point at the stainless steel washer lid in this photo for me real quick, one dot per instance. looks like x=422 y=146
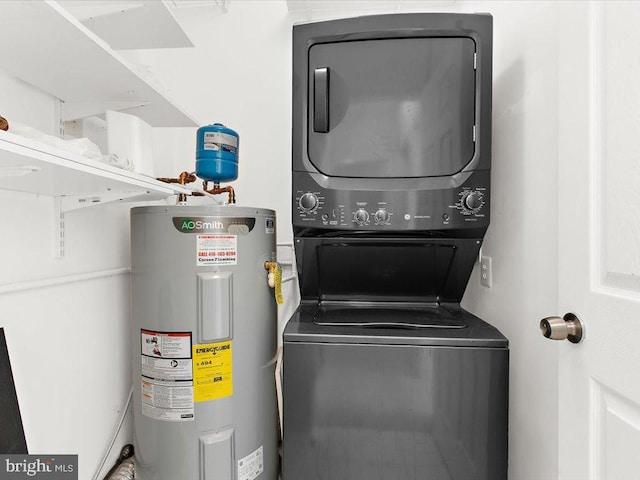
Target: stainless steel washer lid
x=476 y=333
x=403 y=315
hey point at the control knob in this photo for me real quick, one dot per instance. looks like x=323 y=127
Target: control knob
x=308 y=202
x=382 y=216
x=361 y=216
x=472 y=201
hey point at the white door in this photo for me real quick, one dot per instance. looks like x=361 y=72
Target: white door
x=599 y=152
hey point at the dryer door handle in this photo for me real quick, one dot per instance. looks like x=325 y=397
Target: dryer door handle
x=321 y=100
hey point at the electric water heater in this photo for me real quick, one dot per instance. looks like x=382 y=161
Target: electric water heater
x=203 y=343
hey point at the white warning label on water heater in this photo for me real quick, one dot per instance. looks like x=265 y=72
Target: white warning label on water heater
x=165 y=344
x=217 y=250
x=251 y=466
x=170 y=401
x=166 y=380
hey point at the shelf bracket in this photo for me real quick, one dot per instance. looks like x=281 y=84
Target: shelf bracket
x=67 y=203
x=58 y=225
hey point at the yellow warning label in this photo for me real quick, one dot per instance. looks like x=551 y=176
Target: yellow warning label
x=212 y=371
x=278 y=289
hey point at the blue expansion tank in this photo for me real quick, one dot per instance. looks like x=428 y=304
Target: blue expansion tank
x=217 y=153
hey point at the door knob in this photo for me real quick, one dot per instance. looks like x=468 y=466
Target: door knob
x=568 y=327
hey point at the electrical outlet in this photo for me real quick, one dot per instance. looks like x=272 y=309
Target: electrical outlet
x=486 y=277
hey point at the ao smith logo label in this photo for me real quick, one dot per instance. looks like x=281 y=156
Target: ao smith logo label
x=235 y=226
x=59 y=467
x=214 y=349
x=188 y=225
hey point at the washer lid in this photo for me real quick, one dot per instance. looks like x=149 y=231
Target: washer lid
x=385 y=269
x=387 y=315
x=476 y=333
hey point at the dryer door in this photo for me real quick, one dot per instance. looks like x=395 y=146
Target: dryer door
x=392 y=108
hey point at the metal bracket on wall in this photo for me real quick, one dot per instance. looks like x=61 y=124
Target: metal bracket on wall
x=68 y=203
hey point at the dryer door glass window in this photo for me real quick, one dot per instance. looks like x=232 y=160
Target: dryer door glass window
x=392 y=108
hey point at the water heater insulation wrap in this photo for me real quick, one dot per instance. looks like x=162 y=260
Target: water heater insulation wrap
x=217 y=153
x=203 y=343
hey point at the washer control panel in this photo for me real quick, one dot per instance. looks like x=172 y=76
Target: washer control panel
x=465 y=206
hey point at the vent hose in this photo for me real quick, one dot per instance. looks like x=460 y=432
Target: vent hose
x=125 y=468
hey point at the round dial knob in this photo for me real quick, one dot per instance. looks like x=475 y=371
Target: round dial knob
x=382 y=216
x=472 y=201
x=308 y=202
x=361 y=216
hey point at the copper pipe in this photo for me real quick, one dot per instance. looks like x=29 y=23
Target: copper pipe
x=216 y=190
x=185 y=177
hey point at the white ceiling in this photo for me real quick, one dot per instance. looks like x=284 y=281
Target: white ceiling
x=308 y=10
x=199 y=3
x=122 y=23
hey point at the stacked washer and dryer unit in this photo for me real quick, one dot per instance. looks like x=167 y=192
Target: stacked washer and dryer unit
x=385 y=376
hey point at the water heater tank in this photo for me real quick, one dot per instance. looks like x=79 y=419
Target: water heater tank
x=203 y=343
x=217 y=153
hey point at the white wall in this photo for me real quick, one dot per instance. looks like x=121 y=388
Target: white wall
x=23 y=104
x=523 y=237
x=239 y=73
x=67 y=336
